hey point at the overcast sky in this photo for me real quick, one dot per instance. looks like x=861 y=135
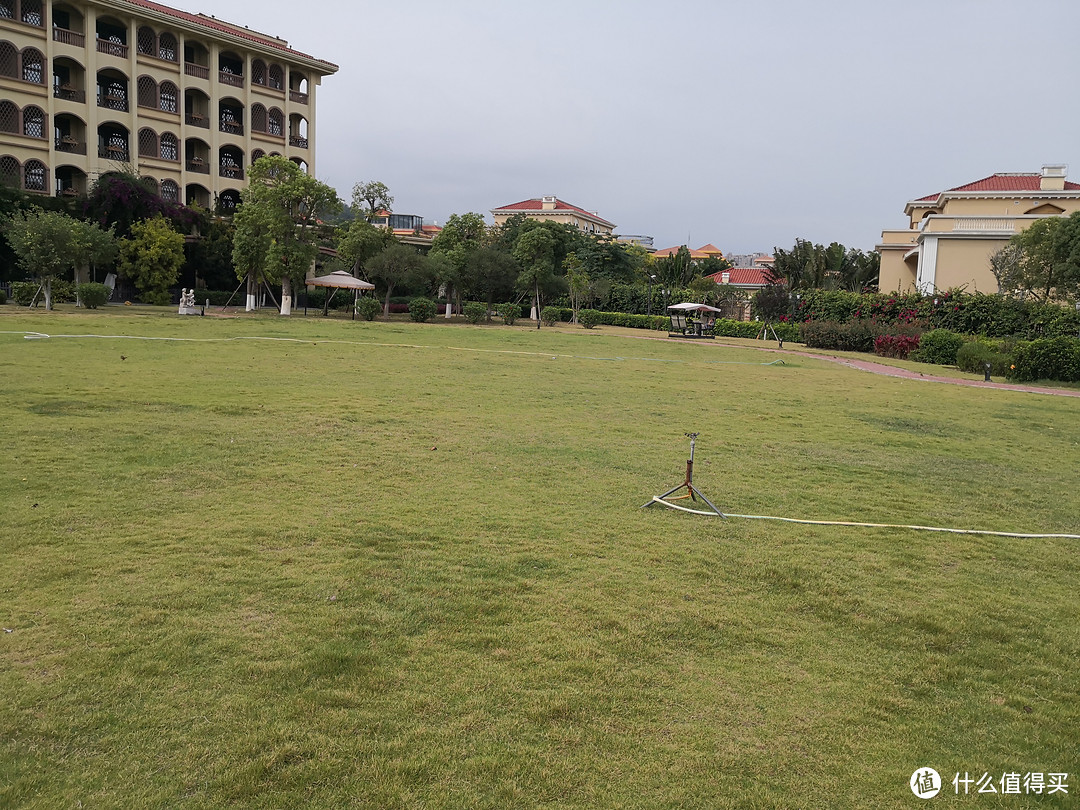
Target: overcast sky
x=744 y=124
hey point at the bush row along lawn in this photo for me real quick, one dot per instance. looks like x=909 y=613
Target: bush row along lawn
x=408 y=569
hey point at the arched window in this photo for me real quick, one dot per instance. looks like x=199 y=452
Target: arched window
x=258 y=72
x=147 y=91
x=9 y=60
x=150 y=183
x=148 y=143
x=170 y=146
x=170 y=192
x=10 y=171
x=258 y=118
x=228 y=200
x=167 y=48
x=275 y=122
x=146 y=41
x=9 y=116
x=33 y=66
x=31 y=13
x=256 y=154
x=7 y=9
x=36 y=177
x=169 y=95
x=33 y=122
x=276 y=77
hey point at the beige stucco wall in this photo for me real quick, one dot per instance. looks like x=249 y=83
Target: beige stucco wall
x=895 y=275
x=966 y=263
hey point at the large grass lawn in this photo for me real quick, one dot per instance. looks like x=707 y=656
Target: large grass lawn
x=394 y=565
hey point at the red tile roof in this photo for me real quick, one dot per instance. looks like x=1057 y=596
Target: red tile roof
x=537 y=204
x=1002 y=182
x=758 y=276
x=671 y=251
x=220 y=26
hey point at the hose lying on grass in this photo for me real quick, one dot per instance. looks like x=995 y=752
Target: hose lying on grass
x=854 y=523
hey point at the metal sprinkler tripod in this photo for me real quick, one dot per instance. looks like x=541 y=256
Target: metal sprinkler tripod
x=692 y=492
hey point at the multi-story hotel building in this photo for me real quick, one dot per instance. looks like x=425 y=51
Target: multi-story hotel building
x=187 y=100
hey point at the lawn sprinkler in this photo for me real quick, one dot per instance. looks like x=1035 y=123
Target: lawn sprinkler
x=692 y=492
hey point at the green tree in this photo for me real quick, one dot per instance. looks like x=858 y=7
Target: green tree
x=371 y=197
x=397 y=266
x=802 y=267
x=579 y=283
x=535 y=252
x=1044 y=261
x=490 y=275
x=92 y=246
x=460 y=238
x=44 y=243
x=152 y=257
x=676 y=270
x=275 y=226
x=359 y=241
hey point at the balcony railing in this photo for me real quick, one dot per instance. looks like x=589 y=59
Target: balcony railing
x=110 y=102
x=232 y=127
x=296 y=140
x=982 y=224
x=197 y=165
x=70 y=145
x=197 y=120
x=233 y=172
x=230 y=78
x=198 y=71
x=298 y=97
x=69 y=37
x=119 y=153
x=66 y=93
x=116 y=49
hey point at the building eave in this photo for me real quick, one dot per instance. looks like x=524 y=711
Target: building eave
x=224 y=31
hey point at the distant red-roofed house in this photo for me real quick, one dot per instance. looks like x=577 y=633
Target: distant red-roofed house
x=552 y=209
x=748 y=280
x=951 y=235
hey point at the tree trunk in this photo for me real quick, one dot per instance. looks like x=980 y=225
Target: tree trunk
x=535 y=314
x=386 y=304
x=449 y=301
x=286 y=295
x=82 y=272
x=251 y=290
x=48 y=293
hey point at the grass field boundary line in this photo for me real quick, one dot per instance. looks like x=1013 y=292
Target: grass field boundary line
x=43 y=336
x=866 y=525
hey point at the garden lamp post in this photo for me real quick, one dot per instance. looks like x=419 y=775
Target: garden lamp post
x=652 y=278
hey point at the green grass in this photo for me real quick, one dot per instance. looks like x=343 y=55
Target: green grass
x=395 y=565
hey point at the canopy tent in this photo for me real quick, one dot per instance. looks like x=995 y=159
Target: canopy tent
x=341 y=280
x=690 y=306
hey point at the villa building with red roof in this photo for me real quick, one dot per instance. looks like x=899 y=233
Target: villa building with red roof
x=951 y=235
x=552 y=209
x=187 y=100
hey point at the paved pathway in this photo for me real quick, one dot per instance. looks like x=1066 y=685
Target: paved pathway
x=893 y=371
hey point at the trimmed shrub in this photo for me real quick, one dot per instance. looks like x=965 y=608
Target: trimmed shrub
x=421 y=309
x=549 y=315
x=939 y=346
x=475 y=312
x=973 y=356
x=590 y=317
x=898 y=346
x=854 y=336
x=509 y=312
x=22 y=292
x=3 y=296
x=367 y=307
x=92 y=295
x=1051 y=359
